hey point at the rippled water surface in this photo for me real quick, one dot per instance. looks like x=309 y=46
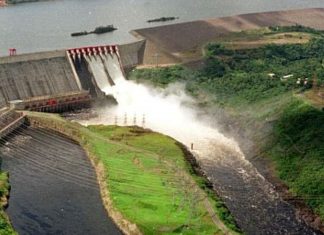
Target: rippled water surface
x=39 y=26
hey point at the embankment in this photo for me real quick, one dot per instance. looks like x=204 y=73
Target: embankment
x=183 y=42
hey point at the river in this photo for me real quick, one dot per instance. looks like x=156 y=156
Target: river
x=41 y=26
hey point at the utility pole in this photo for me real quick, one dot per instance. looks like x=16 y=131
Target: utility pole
x=116 y=120
x=143 y=121
x=125 y=119
x=156 y=56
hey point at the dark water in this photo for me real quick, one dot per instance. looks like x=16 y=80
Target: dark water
x=54 y=188
x=40 y=26
x=252 y=200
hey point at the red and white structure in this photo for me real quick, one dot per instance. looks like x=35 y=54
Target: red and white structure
x=93 y=50
x=12 y=51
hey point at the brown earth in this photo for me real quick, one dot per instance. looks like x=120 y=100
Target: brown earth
x=183 y=42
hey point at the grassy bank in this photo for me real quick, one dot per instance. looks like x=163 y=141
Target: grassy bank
x=262 y=90
x=148 y=179
x=5 y=226
x=298 y=152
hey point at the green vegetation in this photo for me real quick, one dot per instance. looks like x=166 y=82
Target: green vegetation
x=253 y=87
x=5 y=226
x=148 y=179
x=298 y=152
x=150 y=186
x=247 y=75
x=295 y=28
x=163 y=76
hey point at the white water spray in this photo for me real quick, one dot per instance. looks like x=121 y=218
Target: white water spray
x=113 y=68
x=98 y=70
x=171 y=112
x=168 y=111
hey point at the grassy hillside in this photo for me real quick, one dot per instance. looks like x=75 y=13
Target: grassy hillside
x=262 y=87
x=151 y=184
x=148 y=179
x=298 y=152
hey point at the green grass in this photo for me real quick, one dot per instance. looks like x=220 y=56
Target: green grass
x=5 y=226
x=148 y=178
x=169 y=161
x=298 y=152
x=148 y=186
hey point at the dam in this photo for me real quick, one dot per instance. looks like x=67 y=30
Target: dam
x=59 y=80
x=35 y=157
x=83 y=75
x=74 y=78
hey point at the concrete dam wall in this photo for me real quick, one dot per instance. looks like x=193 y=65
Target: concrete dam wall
x=32 y=75
x=132 y=54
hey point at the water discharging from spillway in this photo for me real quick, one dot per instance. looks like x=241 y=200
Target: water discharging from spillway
x=255 y=205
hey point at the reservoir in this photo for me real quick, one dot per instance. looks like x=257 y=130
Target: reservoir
x=42 y=26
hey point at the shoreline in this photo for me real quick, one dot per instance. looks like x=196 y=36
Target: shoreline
x=266 y=167
x=189 y=37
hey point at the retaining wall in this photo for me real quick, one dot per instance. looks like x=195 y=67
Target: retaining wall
x=132 y=54
x=9 y=121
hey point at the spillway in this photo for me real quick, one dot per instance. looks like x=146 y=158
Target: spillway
x=114 y=68
x=103 y=63
x=97 y=68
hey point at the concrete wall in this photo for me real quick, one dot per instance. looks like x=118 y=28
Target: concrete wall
x=132 y=54
x=9 y=121
x=50 y=73
x=38 y=74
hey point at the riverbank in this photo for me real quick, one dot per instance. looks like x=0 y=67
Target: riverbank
x=234 y=85
x=145 y=166
x=5 y=225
